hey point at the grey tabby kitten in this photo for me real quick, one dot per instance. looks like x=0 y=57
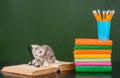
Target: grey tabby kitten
x=43 y=54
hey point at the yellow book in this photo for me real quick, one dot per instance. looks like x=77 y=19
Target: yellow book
x=92 y=56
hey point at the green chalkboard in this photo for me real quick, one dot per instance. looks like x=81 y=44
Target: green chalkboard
x=53 y=22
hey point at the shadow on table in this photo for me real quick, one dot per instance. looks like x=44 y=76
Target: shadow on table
x=93 y=75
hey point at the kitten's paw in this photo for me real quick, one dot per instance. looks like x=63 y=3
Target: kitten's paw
x=45 y=63
x=57 y=61
x=37 y=65
x=30 y=63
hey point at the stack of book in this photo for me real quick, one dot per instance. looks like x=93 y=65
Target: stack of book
x=92 y=55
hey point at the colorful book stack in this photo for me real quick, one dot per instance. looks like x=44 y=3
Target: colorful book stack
x=92 y=55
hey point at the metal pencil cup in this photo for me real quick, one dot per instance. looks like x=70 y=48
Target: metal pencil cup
x=103 y=29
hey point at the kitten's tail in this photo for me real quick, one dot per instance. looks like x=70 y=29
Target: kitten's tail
x=56 y=61
x=30 y=51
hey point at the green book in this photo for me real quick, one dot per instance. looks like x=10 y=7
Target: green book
x=93 y=47
x=93 y=68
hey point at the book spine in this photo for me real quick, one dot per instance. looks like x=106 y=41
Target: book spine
x=92 y=42
x=93 y=63
x=92 y=51
x=92 y=47
x=108 y=56
x=92 y=60
x=93 y=68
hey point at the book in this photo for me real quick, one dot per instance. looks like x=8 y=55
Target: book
x=92 y=60
x=93 y=56
x=85 y=41
x=93 y=68
x=63 y=74
x=93 y=47
x=93 y=63
x=30 y=70
x=92 y=51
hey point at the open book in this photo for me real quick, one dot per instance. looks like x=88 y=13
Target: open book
x=63 y=74
x=26 y=69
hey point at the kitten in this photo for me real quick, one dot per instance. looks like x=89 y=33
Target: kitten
x=43 y=55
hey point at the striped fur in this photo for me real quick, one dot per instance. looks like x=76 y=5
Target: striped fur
x=42 y=53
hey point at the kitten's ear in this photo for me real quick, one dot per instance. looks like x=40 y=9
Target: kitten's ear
x=34 y=46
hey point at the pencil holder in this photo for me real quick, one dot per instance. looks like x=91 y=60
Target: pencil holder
x=103 y=29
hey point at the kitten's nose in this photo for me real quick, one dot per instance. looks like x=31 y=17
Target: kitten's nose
x=35 y=55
